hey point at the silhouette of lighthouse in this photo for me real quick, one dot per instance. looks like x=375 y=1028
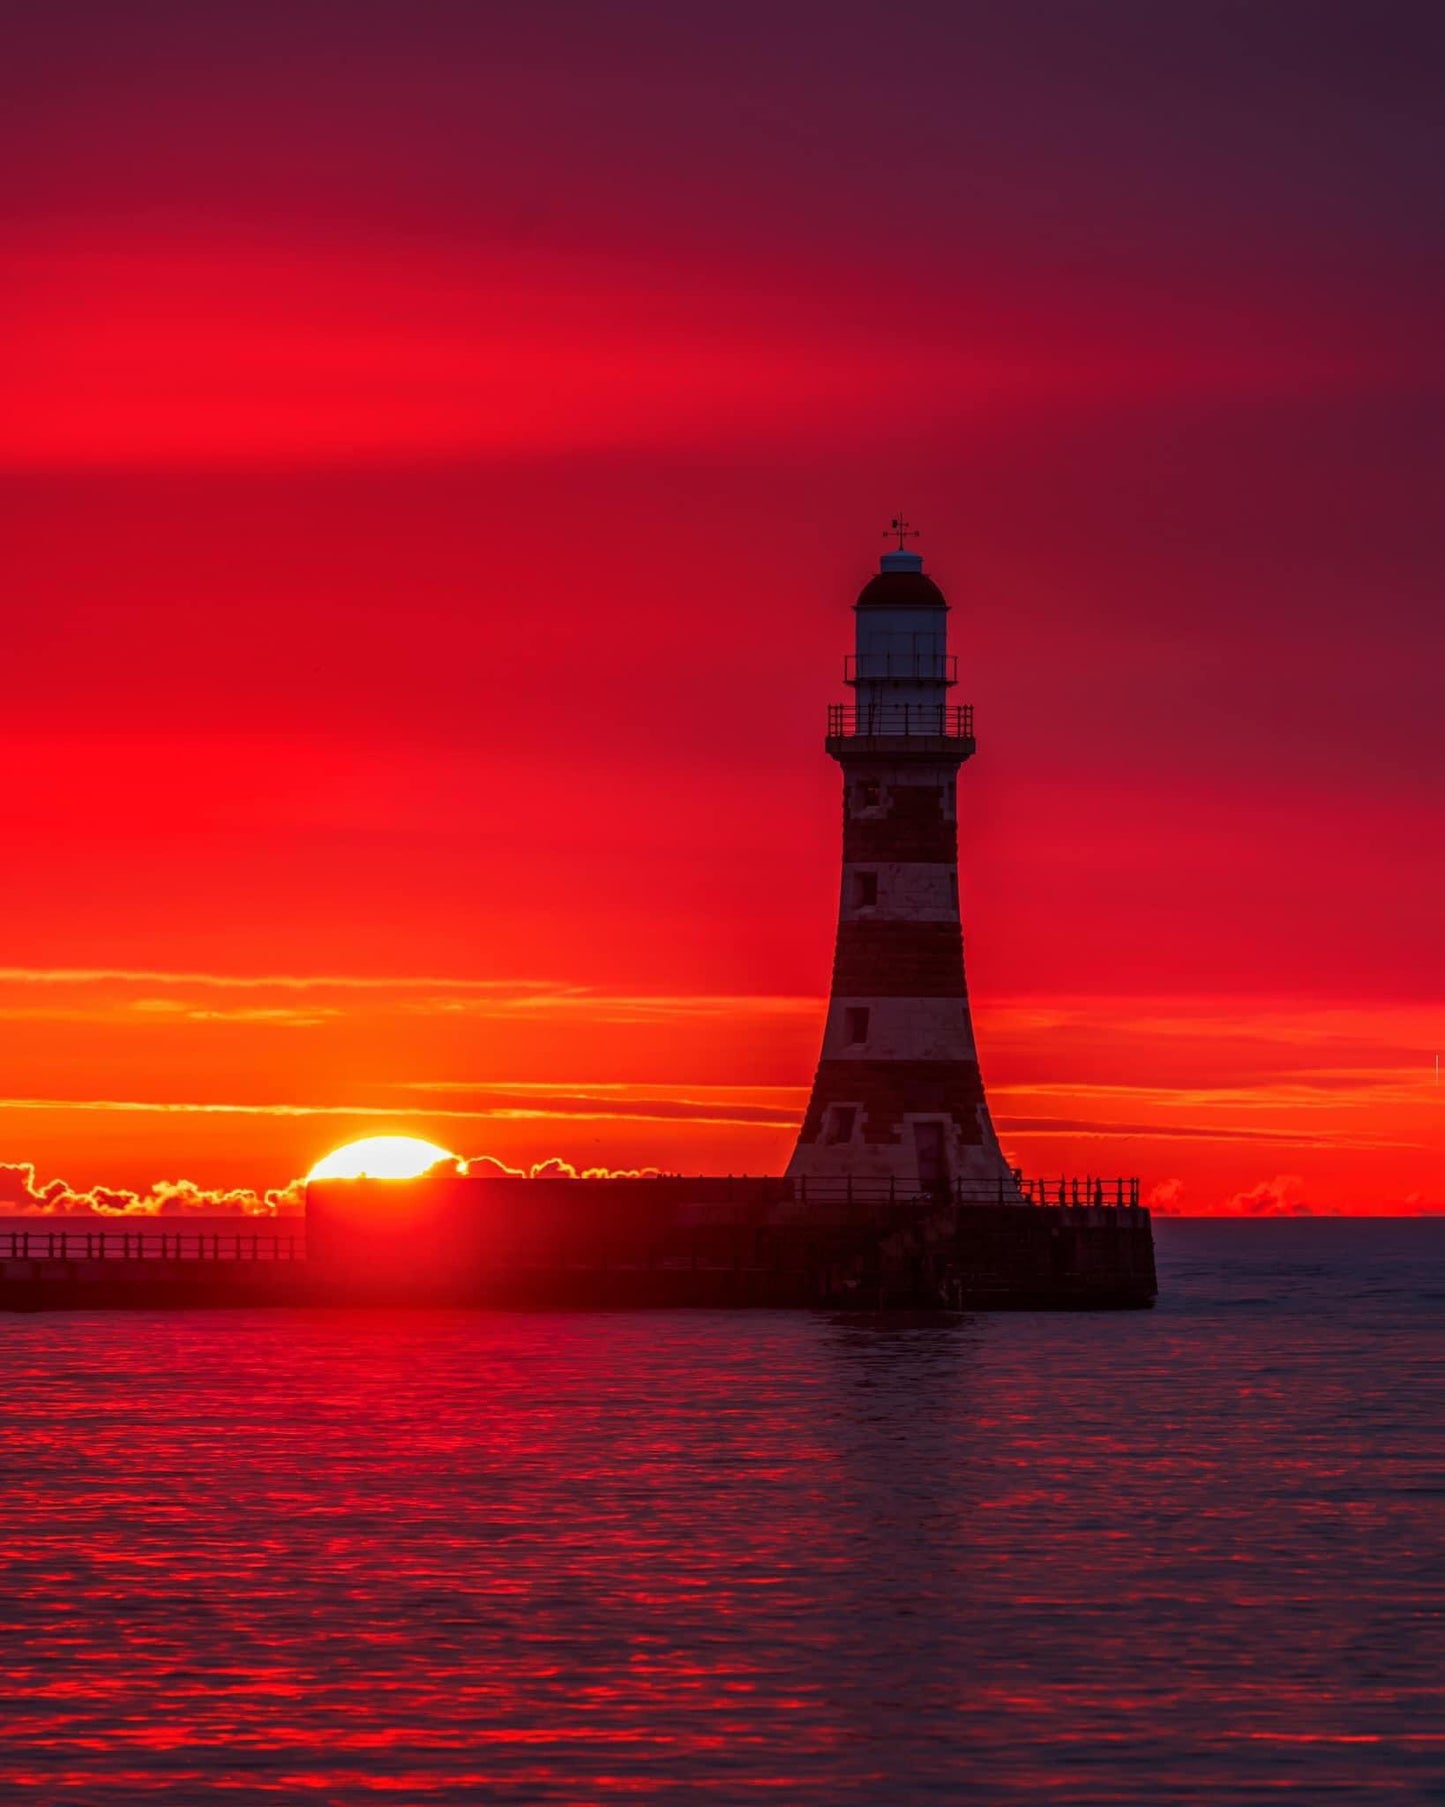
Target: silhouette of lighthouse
x=898 y=1099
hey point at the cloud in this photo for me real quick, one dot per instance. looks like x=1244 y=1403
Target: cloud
x=487 y=1166
x=608 y=1103
x=302 y=1017
x=21 y=1196
x=1111 y=1128
x=557 y=1169
x=1164 y=1198
x=103 y=992
x=141 y=975
x=571 y=1110
x=1278 y=1197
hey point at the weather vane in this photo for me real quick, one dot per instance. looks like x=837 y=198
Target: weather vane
x=900 y=526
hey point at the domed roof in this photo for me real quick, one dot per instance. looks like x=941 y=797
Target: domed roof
x=900 y=584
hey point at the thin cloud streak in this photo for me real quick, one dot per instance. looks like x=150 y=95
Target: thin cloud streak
x=368 y=1112
x=1103 y=1130
x=122 y=975
x=1386 y=1034
x=439 y=995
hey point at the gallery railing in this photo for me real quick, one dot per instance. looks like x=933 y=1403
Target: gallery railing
x=900 y=721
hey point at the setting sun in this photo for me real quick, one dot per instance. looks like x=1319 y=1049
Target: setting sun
x=380 y=1158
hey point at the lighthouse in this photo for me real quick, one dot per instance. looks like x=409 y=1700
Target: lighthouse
x=898 y=1099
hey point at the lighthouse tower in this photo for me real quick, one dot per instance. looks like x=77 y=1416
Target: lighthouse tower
x=898 y=1100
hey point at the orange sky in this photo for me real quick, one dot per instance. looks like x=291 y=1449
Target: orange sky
x=435 y=479
x=245 y=1081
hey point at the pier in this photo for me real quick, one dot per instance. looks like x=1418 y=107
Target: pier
x=718 y=1243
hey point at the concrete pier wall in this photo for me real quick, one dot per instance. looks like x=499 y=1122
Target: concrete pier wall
x=553 y=1244
x=715 y=1241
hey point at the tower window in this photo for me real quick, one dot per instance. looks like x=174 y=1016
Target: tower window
x=840 y=1123
x=867 y=793
x=865 y=890
x=855 y=1024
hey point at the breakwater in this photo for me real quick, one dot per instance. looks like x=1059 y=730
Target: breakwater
x=566 y=1243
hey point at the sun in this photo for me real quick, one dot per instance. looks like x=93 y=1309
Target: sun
x=380 y=1158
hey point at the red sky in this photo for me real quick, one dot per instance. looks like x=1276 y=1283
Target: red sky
x=437 y=455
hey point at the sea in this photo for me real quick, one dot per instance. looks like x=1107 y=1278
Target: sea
x=1188 y=1555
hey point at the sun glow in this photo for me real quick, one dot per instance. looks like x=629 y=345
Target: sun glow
x=380 y=1158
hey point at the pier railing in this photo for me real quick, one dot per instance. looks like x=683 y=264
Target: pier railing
x=1067 y=1190
x=1075 y=1191
x=153 y=1245
x=900 y=721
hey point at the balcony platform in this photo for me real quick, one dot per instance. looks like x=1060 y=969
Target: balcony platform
x=901 y=731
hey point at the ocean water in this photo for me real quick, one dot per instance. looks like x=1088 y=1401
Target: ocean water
x=1188 y=1555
